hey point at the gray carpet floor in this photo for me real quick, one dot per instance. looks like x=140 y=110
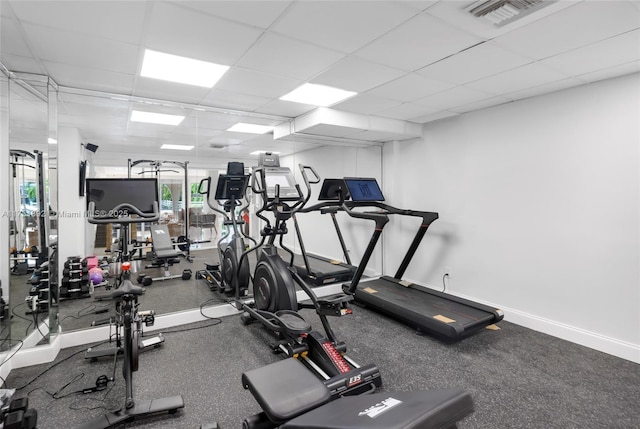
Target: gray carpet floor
x=518 y=378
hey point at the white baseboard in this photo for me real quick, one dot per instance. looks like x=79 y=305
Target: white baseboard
x=593 y=340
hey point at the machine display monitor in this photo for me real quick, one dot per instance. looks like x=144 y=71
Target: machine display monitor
x=107 y=194
x=283 y=177
x=331 y=190
x=363 y=189
x=231 y=187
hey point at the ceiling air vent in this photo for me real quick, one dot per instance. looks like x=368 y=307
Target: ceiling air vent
x=216 y=146
x=503 y=12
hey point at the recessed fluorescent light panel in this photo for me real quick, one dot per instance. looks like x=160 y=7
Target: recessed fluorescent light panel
x=176 y=147
x=174 y=68
x=317 y=95
x=156 y=118
x=242 y=127
x=52 y=141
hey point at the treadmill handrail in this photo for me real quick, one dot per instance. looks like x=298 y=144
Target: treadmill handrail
x=381 y=217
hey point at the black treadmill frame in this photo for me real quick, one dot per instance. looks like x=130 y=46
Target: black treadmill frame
x=444 y=327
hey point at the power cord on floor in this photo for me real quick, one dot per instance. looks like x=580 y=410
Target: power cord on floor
x=92 y=308
x=52 y=366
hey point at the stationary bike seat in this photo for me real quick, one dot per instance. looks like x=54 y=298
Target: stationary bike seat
x=127 y=288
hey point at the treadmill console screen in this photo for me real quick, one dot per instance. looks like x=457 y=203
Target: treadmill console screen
x=331 y=190
x=107 y=194
x=283 y=177
x=363 y=189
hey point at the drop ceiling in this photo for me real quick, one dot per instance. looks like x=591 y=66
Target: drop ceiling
x=411 y=62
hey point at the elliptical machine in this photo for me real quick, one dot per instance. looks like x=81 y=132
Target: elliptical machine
x=275 y=302
x=230 y=276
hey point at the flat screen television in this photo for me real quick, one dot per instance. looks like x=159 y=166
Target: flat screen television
x=331 y=190
x=107 y=194
x=363 y=189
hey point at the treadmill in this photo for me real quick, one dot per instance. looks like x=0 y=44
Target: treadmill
x=317 y=270
x=439 y=314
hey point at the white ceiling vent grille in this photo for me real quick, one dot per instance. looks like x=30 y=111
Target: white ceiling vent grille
x=503 y=12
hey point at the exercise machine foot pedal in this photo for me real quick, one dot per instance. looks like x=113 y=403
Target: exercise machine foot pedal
x=292 y=322
x=152 y=342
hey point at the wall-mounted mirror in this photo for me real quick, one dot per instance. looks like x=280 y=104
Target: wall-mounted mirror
x=117 y=143
x=30 y=308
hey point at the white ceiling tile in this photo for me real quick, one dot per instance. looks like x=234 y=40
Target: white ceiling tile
x=9 y=30
x=25 y=64
x=257 y=13
x=421 y=41
x=621 y=70
x=366 y=104
x=87 y=51
x=234 y=100
x=474 y=63
x=614 y=51
x=285 y=108
x=418 y=4
x=544 y=89
x=180 y=31
x=483 y=104
x=287 y=57
x=246 y=81
x=164 y=90
x=114 y=20
x=458 y=96
x=410 y=87
x=578 y=25
x=344 y=25
x=100 y=80
x=527 y=76
x=433 y=117
x=355 y=74
x=406 y=111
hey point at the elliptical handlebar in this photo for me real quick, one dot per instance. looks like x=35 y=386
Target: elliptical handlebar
x=95 y=217
x=307 y=182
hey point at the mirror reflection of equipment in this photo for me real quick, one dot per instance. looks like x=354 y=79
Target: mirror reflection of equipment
x=231 y=276
x=317 y=269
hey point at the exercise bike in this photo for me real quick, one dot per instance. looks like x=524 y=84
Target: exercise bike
x=230 y=276
x=127 y=201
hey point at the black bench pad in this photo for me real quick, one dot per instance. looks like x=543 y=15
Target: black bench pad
x=431 y=409
x=285 y=389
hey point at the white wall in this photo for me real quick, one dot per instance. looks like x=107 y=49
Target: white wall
x=317 y=230
x=539 y=204
x=71 y=206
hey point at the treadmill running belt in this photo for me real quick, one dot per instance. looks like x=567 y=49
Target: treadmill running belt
x=429 y=311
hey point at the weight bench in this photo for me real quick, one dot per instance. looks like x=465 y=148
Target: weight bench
x=164 y=255
x=293 y=398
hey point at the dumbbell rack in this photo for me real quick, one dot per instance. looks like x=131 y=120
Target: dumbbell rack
x=75 y=278
x=38 y=298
